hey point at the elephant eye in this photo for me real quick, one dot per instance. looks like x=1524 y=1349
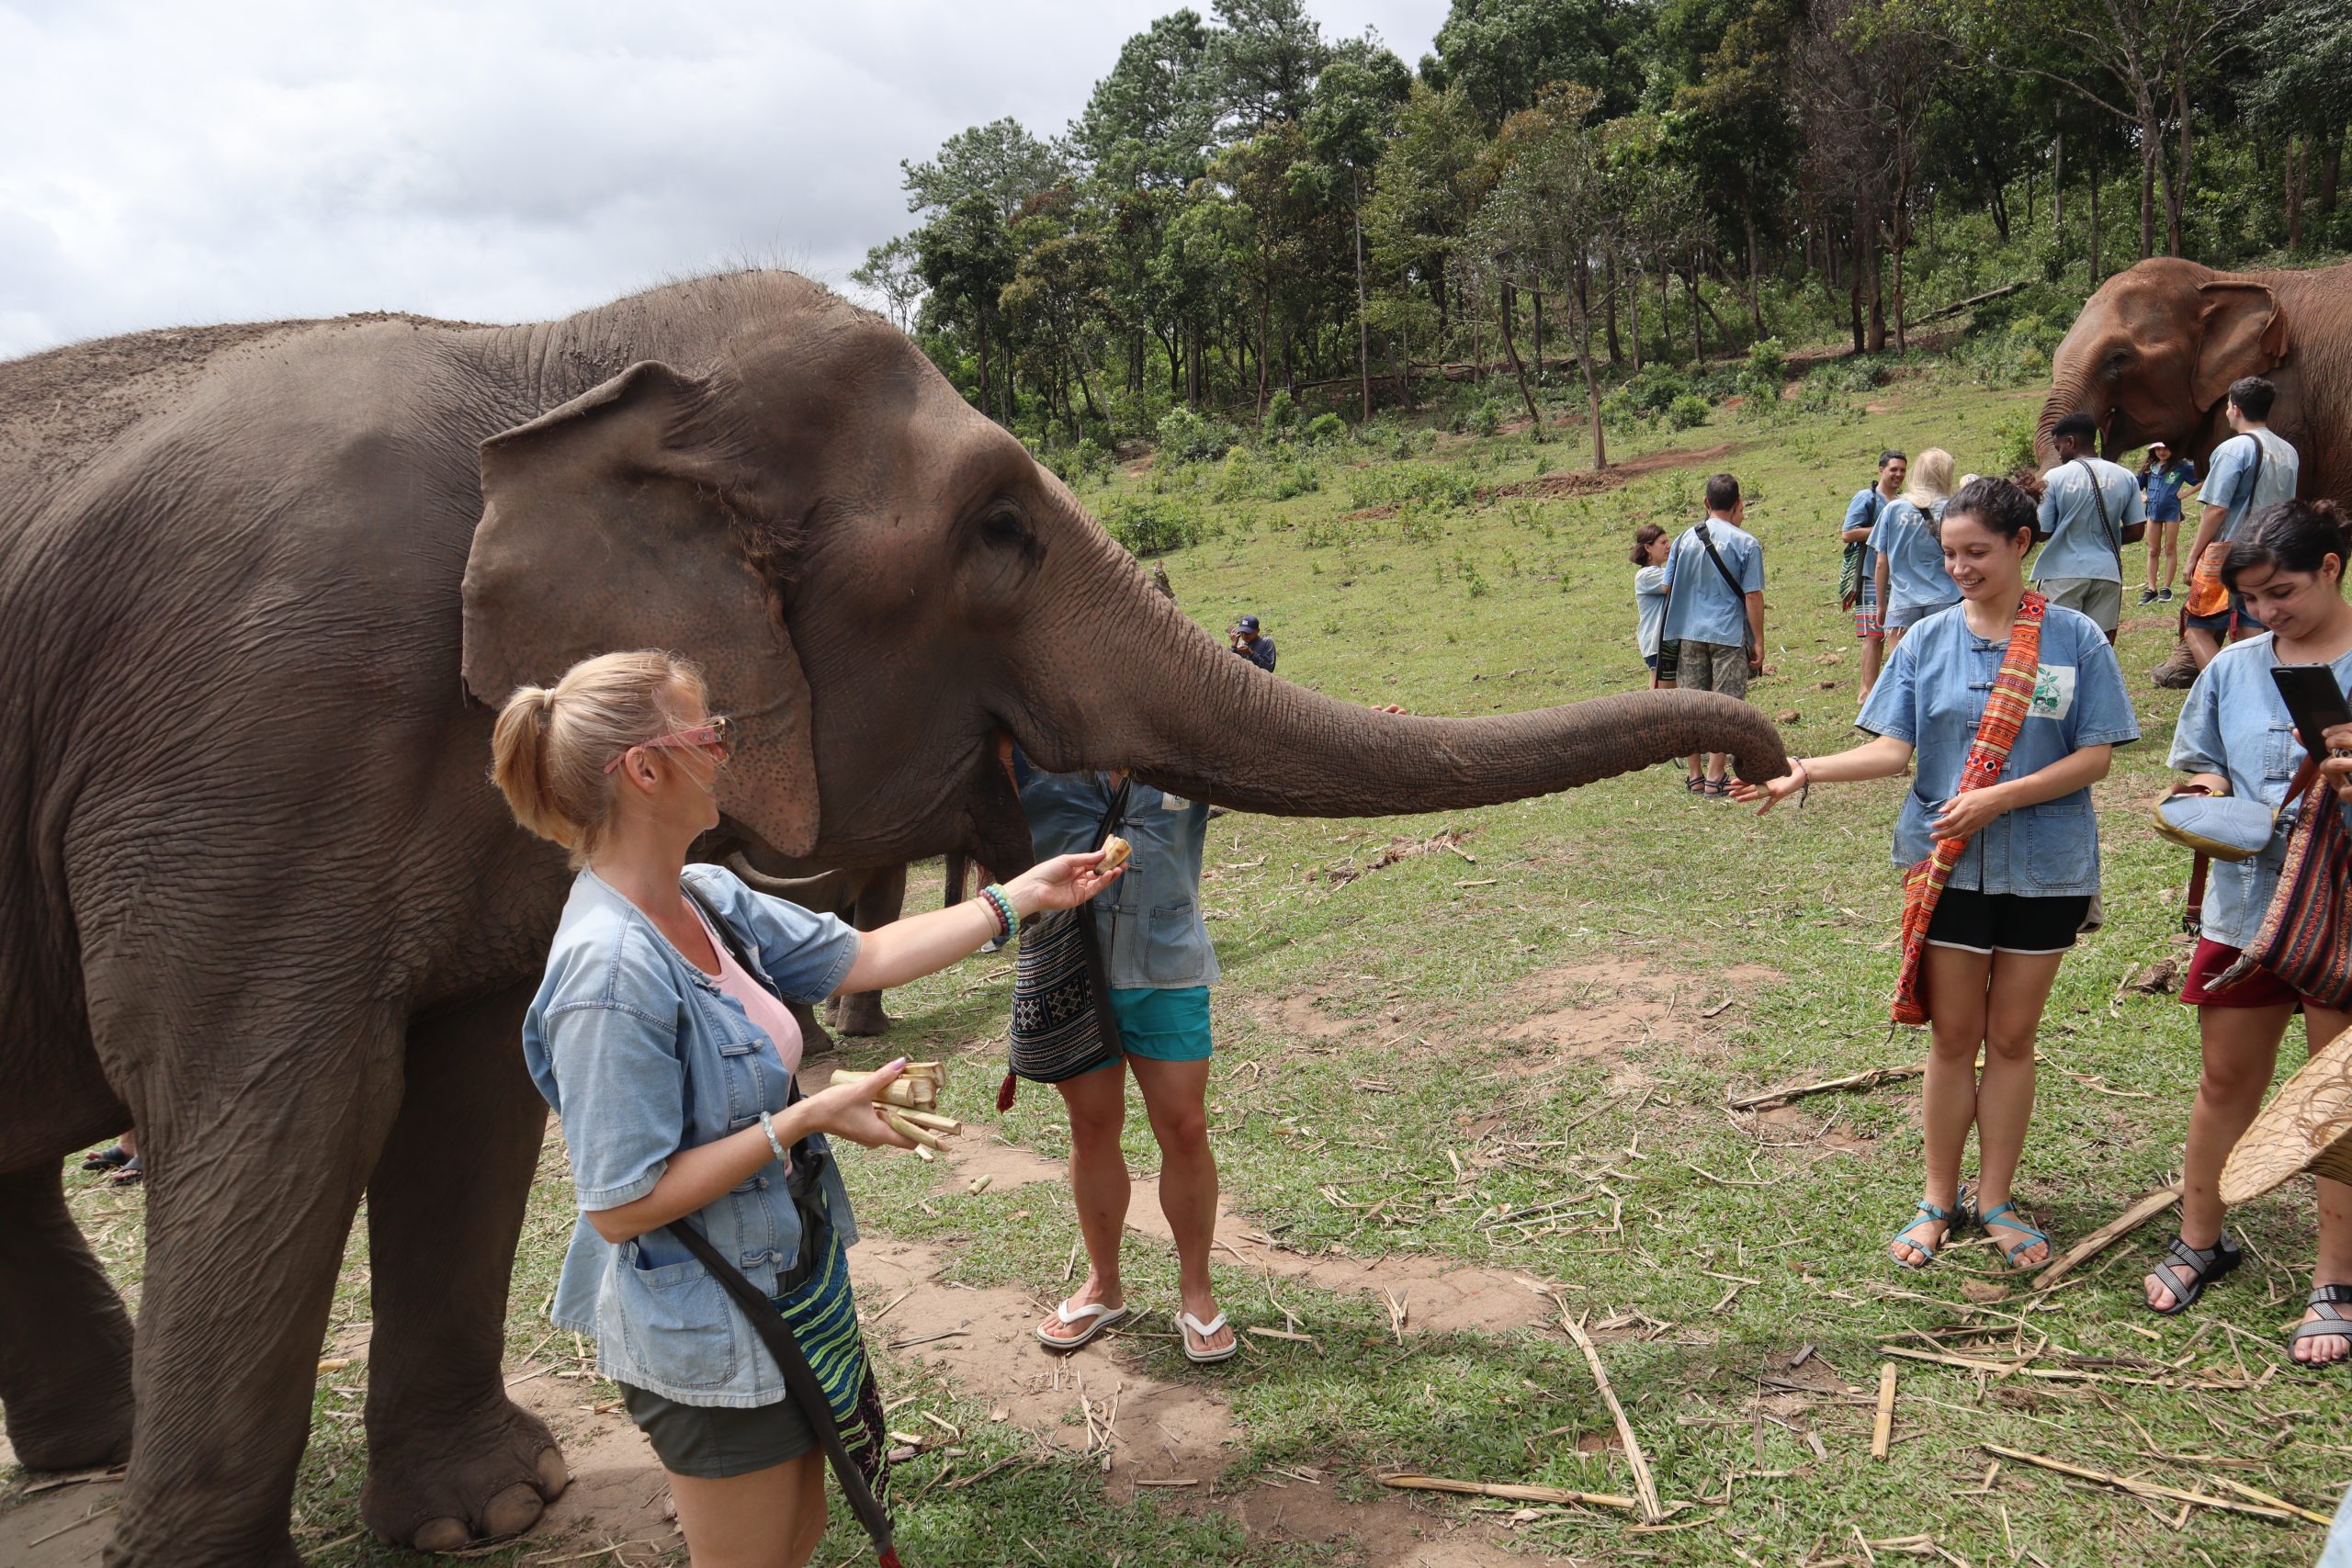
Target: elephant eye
x=1003 y=526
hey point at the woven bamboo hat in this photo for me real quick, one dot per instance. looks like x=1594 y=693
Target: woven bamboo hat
x=2307 y=1127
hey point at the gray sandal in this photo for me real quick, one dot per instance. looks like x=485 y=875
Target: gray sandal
x=2329 y=1324
x=2186 y=1270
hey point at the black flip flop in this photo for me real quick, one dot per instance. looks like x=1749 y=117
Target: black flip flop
x=108 y=1158
x=2186 y=1270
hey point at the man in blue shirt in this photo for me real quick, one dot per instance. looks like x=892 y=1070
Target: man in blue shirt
x=2090 y=510
x=2161 y=479
x=1714 y=608
x=1862 y=517
x=1253 y=645
x=2253 y=469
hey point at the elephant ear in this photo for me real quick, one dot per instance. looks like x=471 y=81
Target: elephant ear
x=2245 y=334
x=606 y=526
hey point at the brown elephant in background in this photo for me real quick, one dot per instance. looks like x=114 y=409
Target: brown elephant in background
x=261 y=591
x=2154 y=352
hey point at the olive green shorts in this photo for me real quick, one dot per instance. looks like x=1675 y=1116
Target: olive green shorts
x=713 y=1442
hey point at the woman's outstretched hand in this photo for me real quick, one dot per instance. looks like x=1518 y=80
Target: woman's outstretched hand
x=1062 y=883
x=846 y=1111
x=1772 y=792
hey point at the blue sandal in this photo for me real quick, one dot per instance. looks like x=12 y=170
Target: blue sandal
x=2016 y=1222
x=1955 y=1220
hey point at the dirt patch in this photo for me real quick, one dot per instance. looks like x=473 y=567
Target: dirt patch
x=1585 y=481
x=1300 y=1018
x=1790 y=1126
x=1608 y=1005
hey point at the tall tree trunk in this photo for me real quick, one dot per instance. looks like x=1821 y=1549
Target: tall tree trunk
x=2058 y=190
x=1902 y=244
x=1609 y=262
x=1755 y=295
x=2098 y=258
x=1665 y=316
x=1510 y=345
x=1261 y=360
x=1633 y=318
x=2152 y=141
x=2294 y=161
x=1363 y=322
x=1536 y=295
x=988 y=383
x=1698 y=328
x=2024 y=213
x=2331 y=168
x=2177 y=192
x=1582 y=323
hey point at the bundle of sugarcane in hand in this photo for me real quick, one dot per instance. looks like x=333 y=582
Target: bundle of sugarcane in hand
x=910 y=1105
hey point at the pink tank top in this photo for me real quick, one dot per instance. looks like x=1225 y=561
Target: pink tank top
x=768 y=1015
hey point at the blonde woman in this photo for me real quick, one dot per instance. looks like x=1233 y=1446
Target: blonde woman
x=661 y=1038
x=1912 y=582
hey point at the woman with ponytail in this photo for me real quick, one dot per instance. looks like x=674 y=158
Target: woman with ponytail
x=661 y=1037
x=2235 y=738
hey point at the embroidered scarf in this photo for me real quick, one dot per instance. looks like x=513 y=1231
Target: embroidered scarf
x=2004 y=712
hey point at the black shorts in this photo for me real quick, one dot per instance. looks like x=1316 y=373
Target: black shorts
x=715 y=1442
x=2006 y=922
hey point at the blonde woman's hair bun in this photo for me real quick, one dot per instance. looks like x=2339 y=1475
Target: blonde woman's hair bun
x=550 y=744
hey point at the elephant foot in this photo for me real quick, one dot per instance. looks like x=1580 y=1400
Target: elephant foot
x=444 y=1487
x=862 y=1014
x=85 y=1434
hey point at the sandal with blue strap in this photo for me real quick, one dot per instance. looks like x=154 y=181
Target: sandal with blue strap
x=1955 y=1220
x=2015 y=1222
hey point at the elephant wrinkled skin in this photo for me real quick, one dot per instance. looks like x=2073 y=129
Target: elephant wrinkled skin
x=2154 y=352
x=258 y=895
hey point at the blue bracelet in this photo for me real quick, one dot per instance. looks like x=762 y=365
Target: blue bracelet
x=1000 y=903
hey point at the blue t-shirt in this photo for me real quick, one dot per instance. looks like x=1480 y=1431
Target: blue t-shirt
x=2232 y=480
x=1260 y=652
x=2080 y=543
x=2160 y=489
x=1916 y=577
x=1862 y=512
x=1933 y=695
x=2236 y=724
x=1700 y=606
x=1649 y=608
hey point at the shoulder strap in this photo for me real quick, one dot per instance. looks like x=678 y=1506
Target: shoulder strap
x=2098 y=498
x=1738 y=594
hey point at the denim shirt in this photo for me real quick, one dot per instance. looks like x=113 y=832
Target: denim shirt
x=1916 y=577
x=641 y=1054
x=1933 y=695
x=1649 y=609
x=2236 y=724
x=1700 y=606
x=2080 y=545
x=1150 y=920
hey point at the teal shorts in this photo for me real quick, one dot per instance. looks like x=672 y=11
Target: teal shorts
x=1167 y=1026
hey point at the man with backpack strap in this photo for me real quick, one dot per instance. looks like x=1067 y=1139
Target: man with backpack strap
x=1714 y=608
x=2090 y=510
x=2254 y=469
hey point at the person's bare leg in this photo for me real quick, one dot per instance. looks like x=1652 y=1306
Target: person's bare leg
x=2018 y=989
x=2241 y=1048
x=1955 y=982
x=2202 y=645
x=768 y=1519
x=2171 y=532
x=1176 y=1096
x=1098 y=1181
x=2334 y=1265
x=1873 y=659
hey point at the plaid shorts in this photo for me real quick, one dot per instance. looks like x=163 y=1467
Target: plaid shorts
x=1866 y=616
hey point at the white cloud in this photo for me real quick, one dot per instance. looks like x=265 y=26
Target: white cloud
x=166 y=164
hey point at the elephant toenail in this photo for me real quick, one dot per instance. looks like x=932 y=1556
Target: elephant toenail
x=513 y=1511
x=553 y=1474
x=442 y=1535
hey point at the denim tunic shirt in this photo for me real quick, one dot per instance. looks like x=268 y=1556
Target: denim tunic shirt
x=2236 y=724
x=1150 y=920
x=1933 y=695
x=641 y=1054
x=1916 y=577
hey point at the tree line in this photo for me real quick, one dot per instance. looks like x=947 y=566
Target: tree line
x=1569 y=189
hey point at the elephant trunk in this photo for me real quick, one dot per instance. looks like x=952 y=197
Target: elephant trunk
x=2069 y=393
x=1152 y=692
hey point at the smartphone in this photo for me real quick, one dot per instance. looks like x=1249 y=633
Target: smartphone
x=2314 y=700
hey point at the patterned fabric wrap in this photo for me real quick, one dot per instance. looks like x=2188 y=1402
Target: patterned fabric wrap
x=2005 y=711
x=823 y=1316
x=1850 y=574
x=2306 y=934
x=1057 y=1029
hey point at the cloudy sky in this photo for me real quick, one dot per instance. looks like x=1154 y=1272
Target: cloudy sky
x=223 y=160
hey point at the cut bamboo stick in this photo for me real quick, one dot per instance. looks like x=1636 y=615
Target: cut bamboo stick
x=922 y=1140
x=1871 y=1079
x=1514 y=1492
x=2142 y=1488
x=2091 y=1245
x=926 y=1119
x=2243 y=1489
x=1883 y=1427
x=1644 y=1487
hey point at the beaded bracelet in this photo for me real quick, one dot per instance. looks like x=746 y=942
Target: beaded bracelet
x=999 y=905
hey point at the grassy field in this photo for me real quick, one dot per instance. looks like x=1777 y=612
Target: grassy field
x=1503 y=1062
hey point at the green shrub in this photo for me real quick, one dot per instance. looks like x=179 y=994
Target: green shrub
x=1652 y=389
x=1281 y=410
x=1767 y=361
x=1412 y=484
x=1152 y=525
x=1187 y=435
x=1325 y=429
x=1688 y=411
x=2013 y=445
x=1486 y=418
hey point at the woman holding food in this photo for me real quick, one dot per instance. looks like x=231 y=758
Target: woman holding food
x=2011 y=706
x=1157 y=965
x=660 y=1036
x=2236 y=739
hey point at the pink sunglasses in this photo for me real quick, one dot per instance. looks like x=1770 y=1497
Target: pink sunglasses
x=710 y=738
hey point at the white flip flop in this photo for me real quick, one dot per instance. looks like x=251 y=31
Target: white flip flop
x=1187 y=1326
x=1104 y=1318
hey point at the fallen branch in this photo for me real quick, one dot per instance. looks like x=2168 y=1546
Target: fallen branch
x=1513 y=1491
x=2138 y=1488
x=1871 y=1079
x=1645 y=1488
x=2131 y=1219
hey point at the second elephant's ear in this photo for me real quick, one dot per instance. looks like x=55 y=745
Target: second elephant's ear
x=607 y=525
x=2244 y=334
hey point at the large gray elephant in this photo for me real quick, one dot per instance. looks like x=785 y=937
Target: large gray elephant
x=2154 y=352
x=258 y=897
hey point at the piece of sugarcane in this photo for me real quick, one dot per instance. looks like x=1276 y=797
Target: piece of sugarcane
x=924 y=1141
x=907 y=1093
x=936 y=1124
